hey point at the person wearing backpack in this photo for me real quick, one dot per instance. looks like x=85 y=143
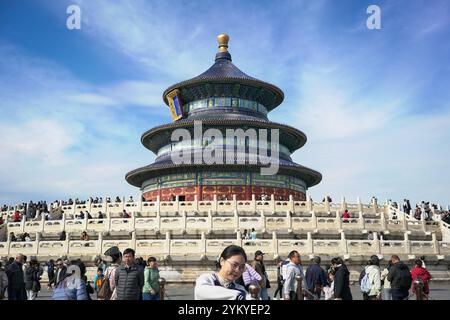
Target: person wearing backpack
x=371 y=282
x=400 y=279
x=108 y=289
x=419 y=272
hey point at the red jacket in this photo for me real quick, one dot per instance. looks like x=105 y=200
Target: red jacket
x=419 y=272
x=16 y=216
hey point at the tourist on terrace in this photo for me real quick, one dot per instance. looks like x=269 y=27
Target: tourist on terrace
x=406 y=206
x=16 y=216
x=253 y=234
x=100 y=215
x=151 y=280
x=345 y=216
x=292 y=269
x=84 y=236
x=118 y=199
x=417 y=272
x=400 y=279
x=129 y=278
x=316 y=278
x=131 y=199
x=222 y=285
x=62 y=236
x=341 y=280
x=12 y=237
x=245 y=235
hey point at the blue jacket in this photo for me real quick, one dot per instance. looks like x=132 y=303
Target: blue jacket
x=70 y=289
x=315 y=275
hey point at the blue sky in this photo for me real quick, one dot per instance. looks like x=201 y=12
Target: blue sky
x=373 y=103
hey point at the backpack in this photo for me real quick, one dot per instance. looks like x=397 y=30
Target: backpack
x=365 y=284
x=105 y=291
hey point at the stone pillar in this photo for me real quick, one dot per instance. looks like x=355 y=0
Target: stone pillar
x=310 y=245
x=203 y=238
x=361 y=221
x=253 y=202
x=195 y=202
x=236 y=220
x=338 y=220
x=239 y=238
x=272 y=203
x=360 y=207
x=435 y=243
x=100 y=243
x=344 y=204
x=177 y=204
x=291 y=203
x=183 y=220
x=314 y=219
x=210 y=221
x=376 y=244
x=215 y=202
x=375 y=205
x=289 y=221
x=274 y=243
x=383 y=222
x=234 y=203
x=263 y=221
x=407 y=243
x=327 y=204
x=158 y=206
x=344 y=243
x=309 y=204
x=167 y=244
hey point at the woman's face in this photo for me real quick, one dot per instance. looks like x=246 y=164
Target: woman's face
x=232 y=268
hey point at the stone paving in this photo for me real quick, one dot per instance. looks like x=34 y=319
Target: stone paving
x=439 y=291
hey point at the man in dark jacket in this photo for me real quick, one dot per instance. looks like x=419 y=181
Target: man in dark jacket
x=341 y=280
x=316 y=278
x=129 y=278
x=400 y=278
x=32 y=284
x=16 y=284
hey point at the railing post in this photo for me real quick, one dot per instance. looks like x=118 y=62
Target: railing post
x=215 y=203
x=314 y=219
x=376 y=243
x=338 y=220
x=183 y=219
x=236 y=219
x=177 y=203
x=344 y=204
x=435 y=243
x=274 y=243
x=263 y=221
x=289 y=221
x=383 y=222
x=234 y=203
x=309 y=246
x=327 y=204
x=195 y=202
x=203 y=238
x=375 y=205
x=239 y=238
x=361 y=221
x=210 y=220
x=272 y=203
x=407 y=243
x=291 y=203
x=167 y=244
x=100 y=243
x=360 y=207
x=253 y=202
x=309 y=204
x=158 y=206
x=133 y=239
x=344 y=247
x=42 y=221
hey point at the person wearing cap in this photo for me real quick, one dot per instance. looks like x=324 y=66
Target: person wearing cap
x=259 y=267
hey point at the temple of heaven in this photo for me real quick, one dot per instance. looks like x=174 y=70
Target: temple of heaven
x=223 y=97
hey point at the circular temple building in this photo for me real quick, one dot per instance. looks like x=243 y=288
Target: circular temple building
x=223 y=97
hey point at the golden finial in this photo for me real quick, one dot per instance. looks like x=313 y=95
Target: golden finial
x=223 y=39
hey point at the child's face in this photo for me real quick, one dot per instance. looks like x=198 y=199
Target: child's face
x=99 y=273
